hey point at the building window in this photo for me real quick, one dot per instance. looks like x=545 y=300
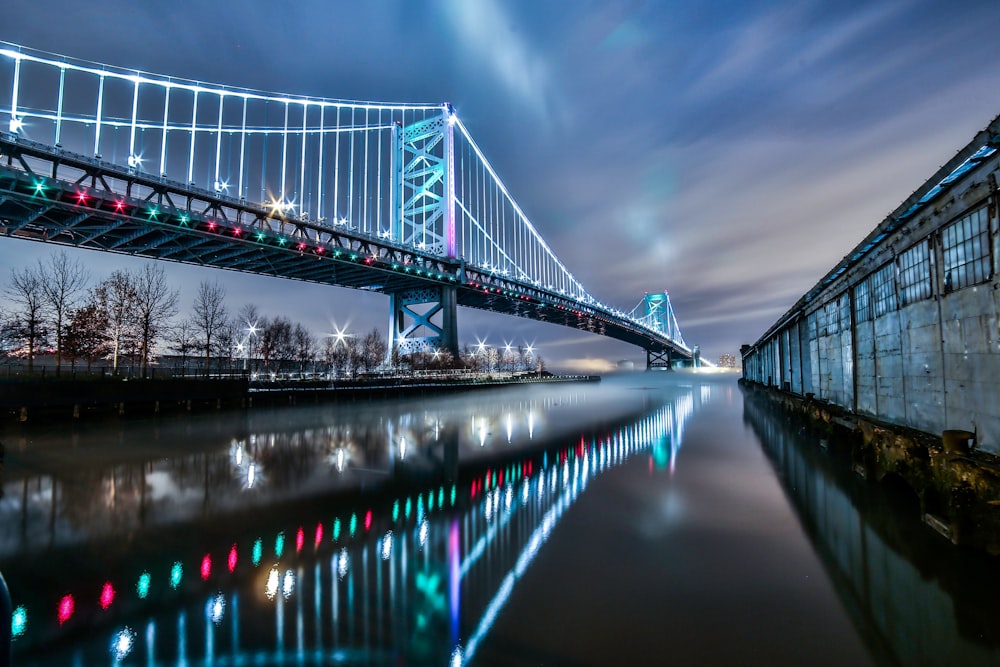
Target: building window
x=966 y=247
x=832 y=318
x=915 y=273
x=844 y=305
x=883 y=290
x=862 y=302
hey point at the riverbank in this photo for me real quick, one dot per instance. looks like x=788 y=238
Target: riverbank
x=71 y=399
x=958 y=486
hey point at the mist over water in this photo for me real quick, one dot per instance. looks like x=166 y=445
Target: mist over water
x=651 y=518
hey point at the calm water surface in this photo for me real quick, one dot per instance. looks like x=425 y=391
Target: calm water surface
x=648 y=519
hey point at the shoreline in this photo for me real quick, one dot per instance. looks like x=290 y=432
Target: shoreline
x=28 y=402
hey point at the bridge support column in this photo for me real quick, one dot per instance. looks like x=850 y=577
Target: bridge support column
x=423 y=320
x=658 y=359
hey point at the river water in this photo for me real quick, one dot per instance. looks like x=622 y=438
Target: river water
x=651 y=518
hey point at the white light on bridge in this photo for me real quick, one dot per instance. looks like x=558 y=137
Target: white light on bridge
x=15 y=125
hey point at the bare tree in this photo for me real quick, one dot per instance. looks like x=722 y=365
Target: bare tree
x=155 y=304
x=116 y=297
x=373 y=349
x=304 y=347
x=63 y=282
x=248 y=324
x=87 y=334
x=28 y=295
x=182 y=340
x=209 y=315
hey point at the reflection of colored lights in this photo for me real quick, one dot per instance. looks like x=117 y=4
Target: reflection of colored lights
x=395 y=511
x=343 y=563
x=231 y=560
x=217 y=608
x=354 y=523
x=279 y=545
x=206 y=567
x=422 y=533
x=258 y=551
x=107 y=595
x=122 y=643
x=288 y=584
x=18 y=622
x=142 y=586
x=175 y=575
x=409 y=507
x=319 y=535
x=368 y=520
x=387 y=545
x=66 y=606
x=271 y=587
x=336 y=529
x=300 y=539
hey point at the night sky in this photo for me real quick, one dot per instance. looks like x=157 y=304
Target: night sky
x=729 y=153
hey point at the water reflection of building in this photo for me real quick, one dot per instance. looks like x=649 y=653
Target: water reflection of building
x=339 y=583
x=914 y=598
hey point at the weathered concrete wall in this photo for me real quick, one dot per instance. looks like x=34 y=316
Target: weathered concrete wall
x=906 y=328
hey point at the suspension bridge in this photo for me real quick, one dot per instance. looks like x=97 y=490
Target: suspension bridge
x=392 y=198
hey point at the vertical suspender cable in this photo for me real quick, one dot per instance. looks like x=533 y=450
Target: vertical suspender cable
x=302 y=170
x=243 y=148
x=163 y=138
x=284 y=155
x=59 y=107
x=194 y=122
x=97 y=123
x=319 y=165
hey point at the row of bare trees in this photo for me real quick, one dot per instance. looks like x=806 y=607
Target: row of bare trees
x=130 y=317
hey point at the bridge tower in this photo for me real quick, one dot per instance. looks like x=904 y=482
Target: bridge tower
x=425 y=319
x=660 y=316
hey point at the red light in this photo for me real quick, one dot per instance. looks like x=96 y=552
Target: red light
x=319 y=534
x=119 y=206
x=237 y=231
x=81 y=198
x=300 y=539
x=231 y=562
x=206 y=567
x=319 y=250
x=368 y=520
x=211 y=226
x=302 y=246
x=107 y=595
x=66 y=607
x=529 y=468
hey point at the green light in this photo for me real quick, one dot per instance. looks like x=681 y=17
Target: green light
x=184 y=220
x=336 y=529
x=279 y=544
x=441 y=497
x=354 y=257
x=39 y=188
x=175 y=575
x=354 y=523
x=19 y=621
x=258 y=551
x=409 y=507
x=452 y=495
x=142 y=586
x=430 y=501
x=152 y=213
x=395 y=511
x=260 y=236
x=282 y=240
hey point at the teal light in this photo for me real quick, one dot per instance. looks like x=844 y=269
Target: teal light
x=260 y=236
x=441 y=497
x=258 y=551
x=409 y=507
x=39 y=188
x=336 y=529
x=152 y=213
x=452 y=495
x=430 y=501
x=282 y=240
x=279 y=544
x=354 y=523
x=395 y=511
x=19 y=621
x=176 y=572
x=184 y=220
x=142 y=586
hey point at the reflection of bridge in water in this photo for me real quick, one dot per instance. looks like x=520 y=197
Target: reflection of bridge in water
x=913 y=599
x=418 y=574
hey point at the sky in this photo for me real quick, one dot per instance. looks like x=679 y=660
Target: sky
x=728 y=153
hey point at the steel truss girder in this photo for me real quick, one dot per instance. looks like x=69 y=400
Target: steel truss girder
x=437 y=323
x=427 y=215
